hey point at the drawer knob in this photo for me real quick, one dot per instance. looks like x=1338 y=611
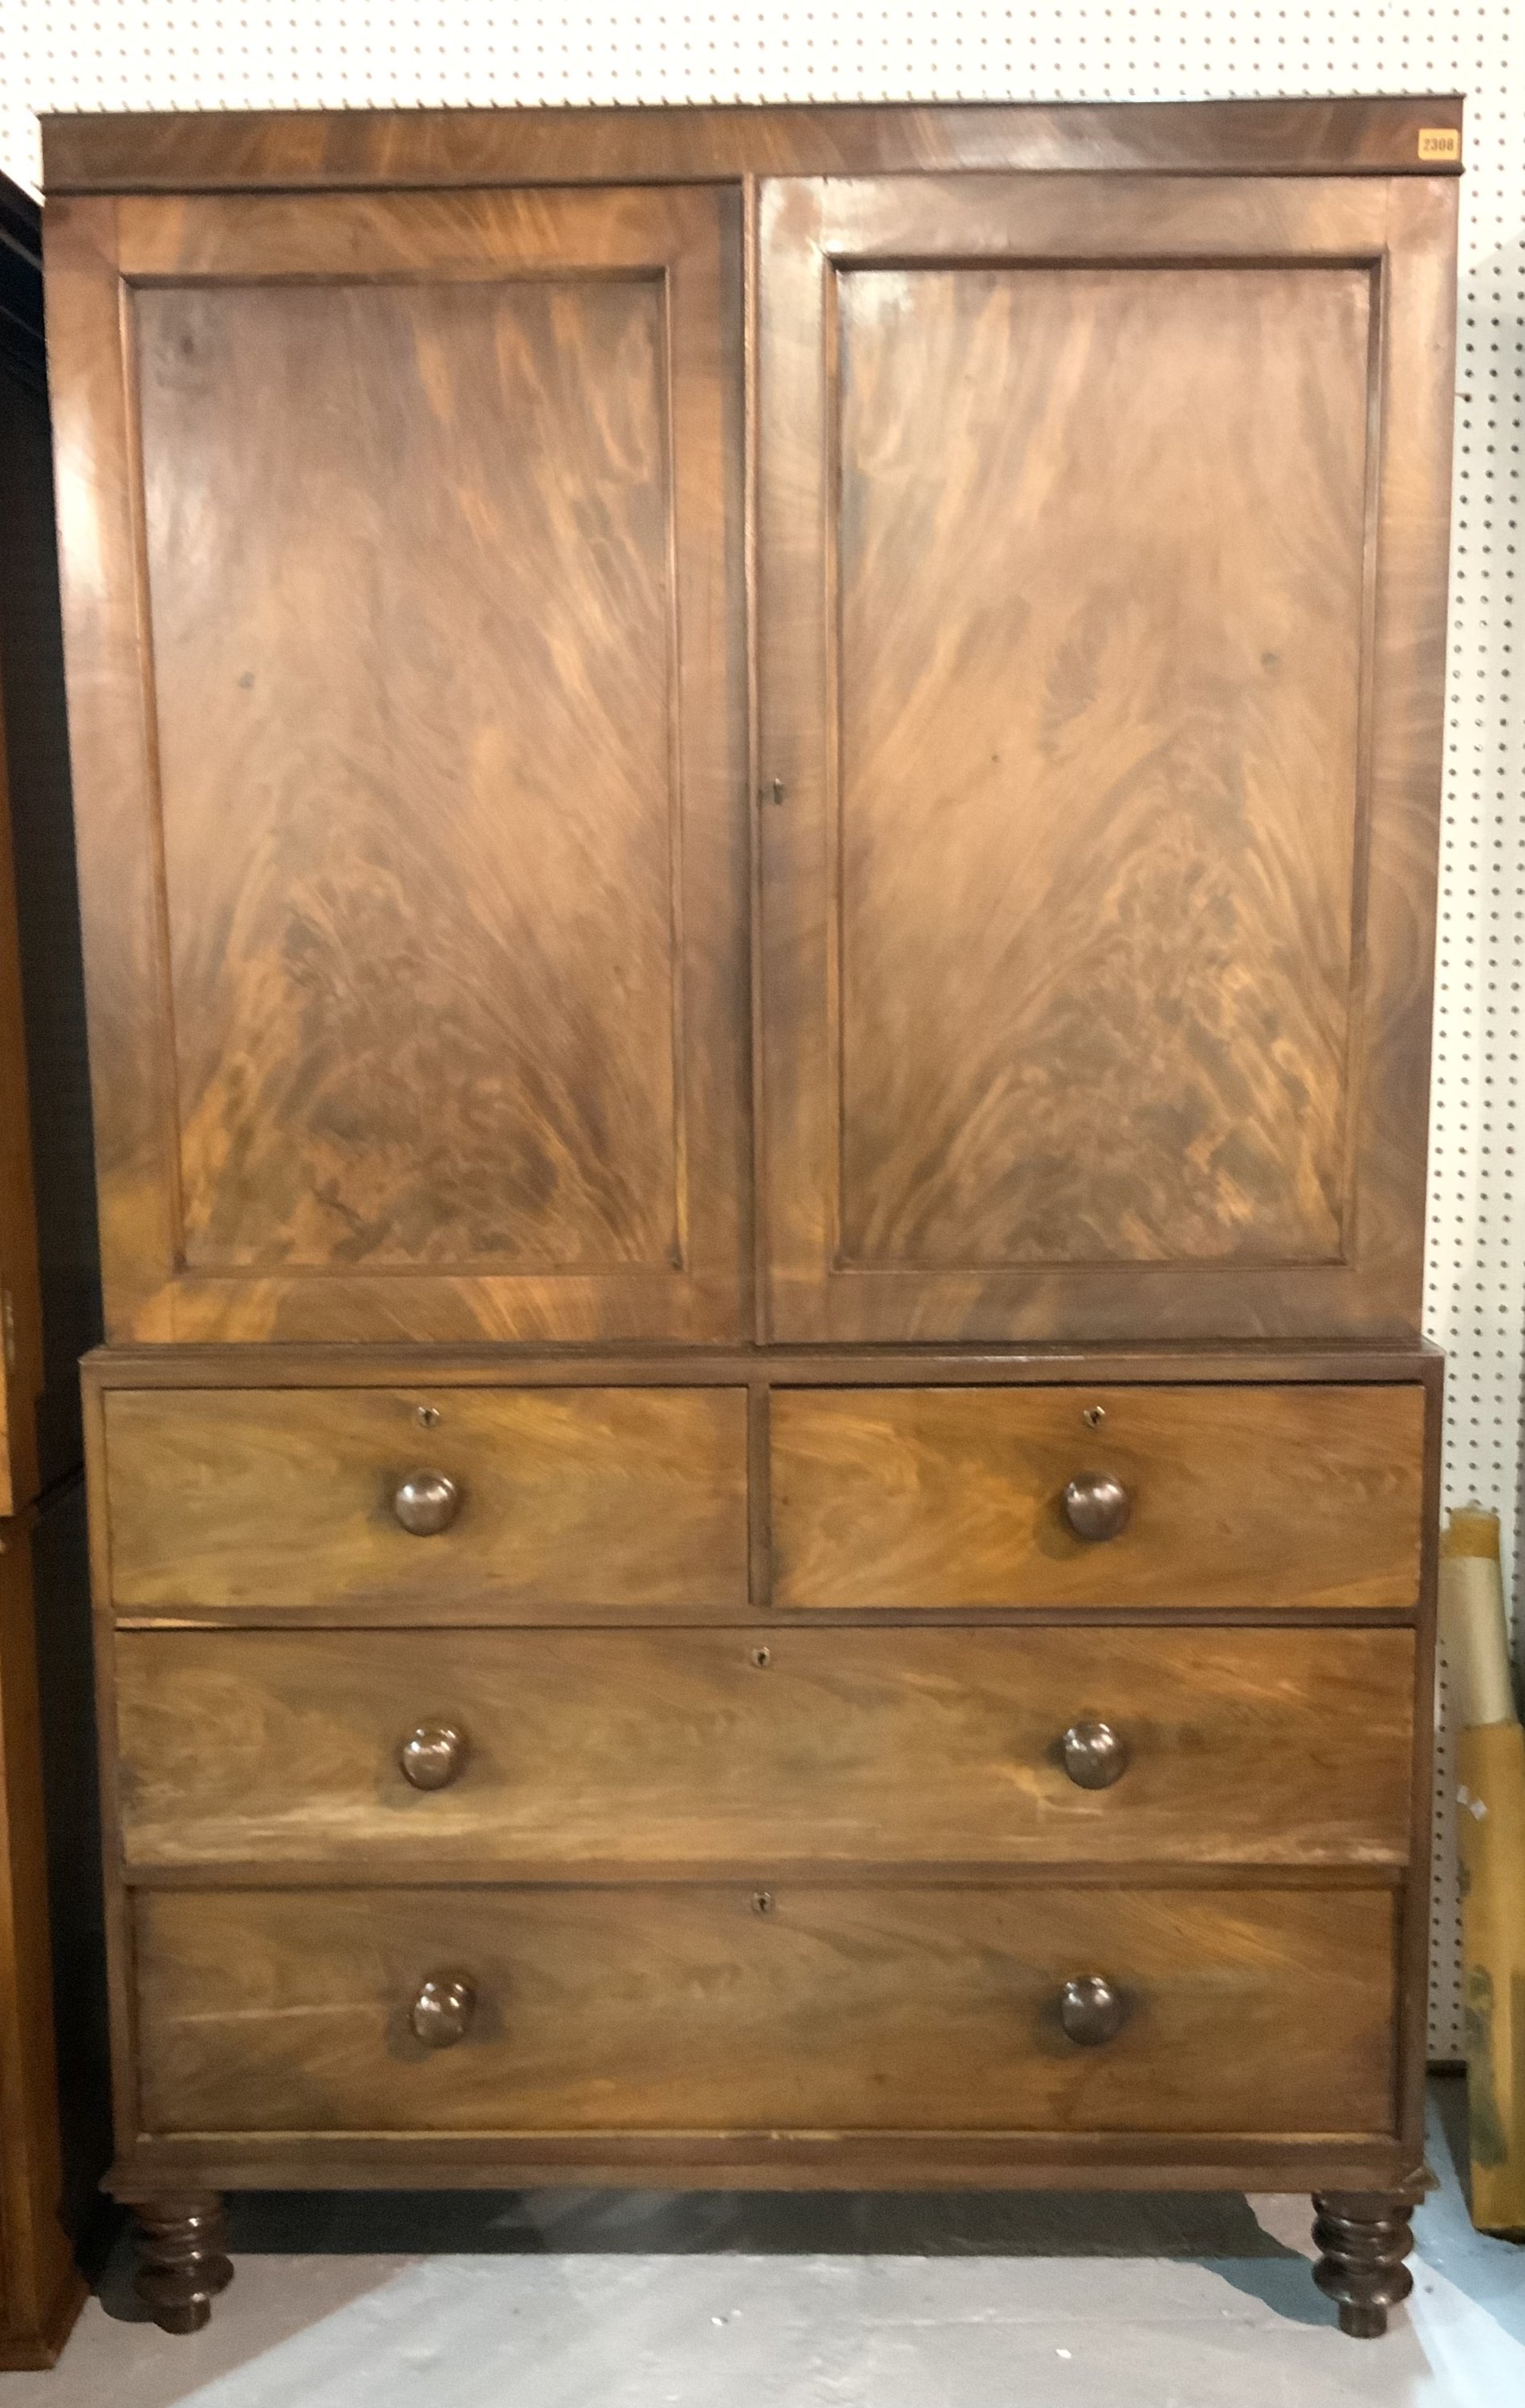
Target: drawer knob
x=1090 y=2009
x=1096 y=1506
x=443 y=2011
x=434 y=1756
x=426 y=1501
x=1095 y=1755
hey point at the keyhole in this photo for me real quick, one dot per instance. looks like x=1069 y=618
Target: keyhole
x=1094 y=1415
x=427 y=1416
x=762 y=1657
x=762 y=1901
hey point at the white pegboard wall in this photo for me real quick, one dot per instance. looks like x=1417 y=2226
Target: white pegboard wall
x=66 y=54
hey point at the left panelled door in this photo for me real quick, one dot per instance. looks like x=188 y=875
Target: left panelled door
x=403 y=579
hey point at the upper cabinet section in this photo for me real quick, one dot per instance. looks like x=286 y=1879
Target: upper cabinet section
x=989 y=560
x=1103 y=552
x=403 y=549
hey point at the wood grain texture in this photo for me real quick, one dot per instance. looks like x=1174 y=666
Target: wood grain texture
x=1094 y=929
x=417 y=969
x=844 y=2009
x=587 y=1751
x=41 y=2289
x=310 y=150
x=1264 y=1497
x=585 y=1495
x=50 y=2149
x=410 y=1030
x=1100 y=704
x=1183 y=1101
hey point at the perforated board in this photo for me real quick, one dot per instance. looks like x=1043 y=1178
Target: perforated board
x=66 y=54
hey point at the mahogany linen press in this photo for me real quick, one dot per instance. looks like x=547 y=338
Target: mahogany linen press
x=758 y=794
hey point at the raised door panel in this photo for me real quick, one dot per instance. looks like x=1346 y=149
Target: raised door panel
x=1097 y=908
x=1105 y=711
x=417 y=949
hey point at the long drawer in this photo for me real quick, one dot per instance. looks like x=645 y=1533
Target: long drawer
x=1219 y=1497
x=431 y=1501
x=400 y=1750
x=903 y=2007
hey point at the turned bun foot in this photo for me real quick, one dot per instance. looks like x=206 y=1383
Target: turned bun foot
x=182 y=2259
x=1363 y=2238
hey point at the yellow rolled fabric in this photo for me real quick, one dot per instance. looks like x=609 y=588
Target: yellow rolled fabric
x=1490 y=1841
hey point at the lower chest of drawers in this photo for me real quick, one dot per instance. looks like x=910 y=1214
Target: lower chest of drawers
x=791 y=1764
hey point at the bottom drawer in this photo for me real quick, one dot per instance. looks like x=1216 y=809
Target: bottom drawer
x=661 y=2007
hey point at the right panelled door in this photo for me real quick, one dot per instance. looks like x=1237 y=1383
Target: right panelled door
x=1102 y=544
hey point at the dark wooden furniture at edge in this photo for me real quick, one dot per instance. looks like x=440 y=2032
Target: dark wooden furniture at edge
x=758 y=797
x=52 y=2102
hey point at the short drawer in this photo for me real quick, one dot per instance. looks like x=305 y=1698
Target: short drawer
x=565 y=1750
x=543 y=1496
x=1305 y=1496
x=657 y=2007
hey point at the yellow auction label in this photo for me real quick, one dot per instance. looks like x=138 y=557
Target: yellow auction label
x=1440 y=142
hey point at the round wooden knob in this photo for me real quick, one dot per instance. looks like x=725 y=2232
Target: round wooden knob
x=1090 y=2009
x=433 y=1756
x=442 y=2013
x=1096 y=1506
x=426 y=1501
x=1095 y=1755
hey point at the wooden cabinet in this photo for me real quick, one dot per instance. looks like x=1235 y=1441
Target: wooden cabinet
x=760 y=793
x=52 y=2105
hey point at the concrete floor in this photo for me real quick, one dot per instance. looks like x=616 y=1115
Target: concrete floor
x=583 y=2300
